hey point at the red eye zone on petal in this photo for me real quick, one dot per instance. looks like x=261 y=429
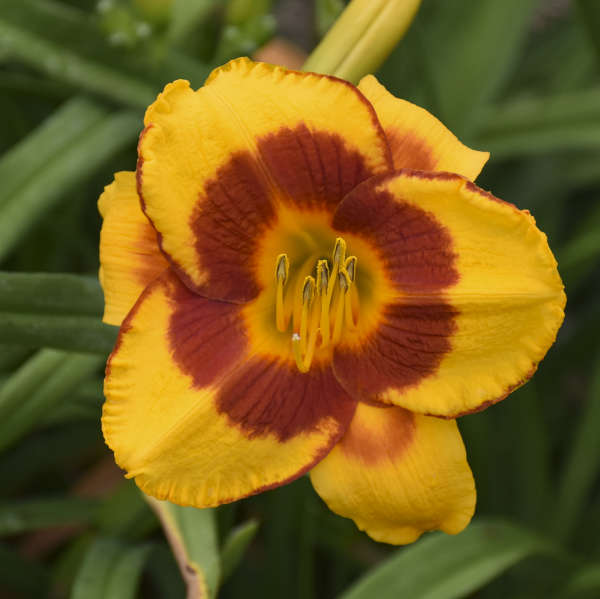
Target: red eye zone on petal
x=269 y=397
x=206 y=337
x=299 y=168
x=388 y=441
x=407 y=347
x=409 y=151
x=416 y=249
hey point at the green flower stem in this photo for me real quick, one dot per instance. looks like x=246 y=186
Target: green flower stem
x=362 y=38
x=192 y=534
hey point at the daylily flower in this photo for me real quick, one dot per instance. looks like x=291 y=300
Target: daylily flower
x=307 y=280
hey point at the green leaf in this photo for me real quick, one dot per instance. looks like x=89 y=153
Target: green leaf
x=123 y=580
x=530 y=464
x=27 y=379
x=584 y=582
x=30 y=461
x=581 y=467
x=239 y=12
x=12 y=356
x=472 y=47
x=186 y=15
x=235 y=545
x=125 y=513
x=54 y=310
x=589 y=11
x=22 y=575
x=444 y=567
x=79 y=158
x=57 y=132
x=110 y=569
x=37 y=387
x=541 y=124
x=66 y=65
x=81 y=49
x=164 y=574
x=244 y=39
x=77 y=333
x=192 y=534
x=44 y=293
x=326 y=13
x=84 y=404
x=22 y=516
x=578 y=256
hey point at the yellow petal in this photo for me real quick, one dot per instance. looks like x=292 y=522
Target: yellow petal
x=198 y=419
x=397 y=475
x=215 y=164
x=417 y=139
x=478 y=298
x=129 y=253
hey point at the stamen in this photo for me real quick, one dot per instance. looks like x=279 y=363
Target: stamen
x=327 y=318
x=350 y=266
x=322 y=276
x=338 y=258
x=282 y=270
x=305 y=342
x=339 y=251
x=322 y=290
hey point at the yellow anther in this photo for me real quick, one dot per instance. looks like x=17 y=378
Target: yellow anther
x=326 y=319
x=322 y=276
x=338 y=259
x=322 y=290
x=339 y=251
x=350 y=266
x=308 y=289
x=344 y=280
x=282 y=270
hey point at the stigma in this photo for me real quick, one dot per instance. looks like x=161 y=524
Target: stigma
x=316 y=309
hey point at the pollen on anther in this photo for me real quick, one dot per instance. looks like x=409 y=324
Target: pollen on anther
x=282 y=268
x=350 y=266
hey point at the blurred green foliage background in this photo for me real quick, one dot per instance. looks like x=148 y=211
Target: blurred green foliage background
x=517 y=77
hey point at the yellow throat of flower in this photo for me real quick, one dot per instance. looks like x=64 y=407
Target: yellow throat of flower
x=320 y=307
